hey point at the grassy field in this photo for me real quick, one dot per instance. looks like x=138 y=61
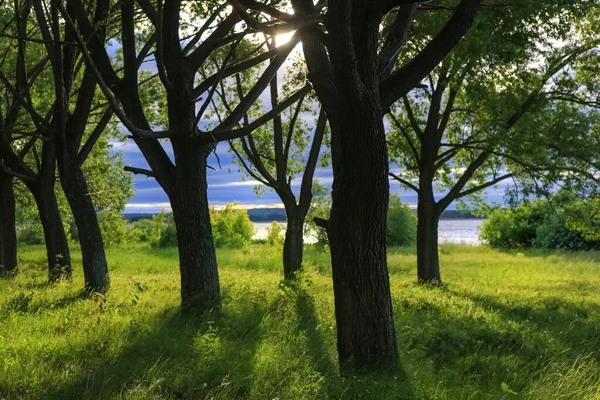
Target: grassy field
x=505 y=325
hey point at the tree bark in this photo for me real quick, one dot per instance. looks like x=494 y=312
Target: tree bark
x=346 y=81
x=357 y=235
x=42 y=189
x=8 y=235
x=293 y=244
x=95 y=268
x=200 y=287
x=428 y=264
x=57 y=247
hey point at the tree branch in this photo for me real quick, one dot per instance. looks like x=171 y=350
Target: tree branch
x=139 y=171
x=409 y=75
x=404 y=182
x=484 y=185
x=219 y=135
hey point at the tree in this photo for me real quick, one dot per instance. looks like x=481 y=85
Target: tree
x=18 y=140
x=178 y=59
x=8 y=235
x=353 y=74
x=465 y=129
x=274 y=155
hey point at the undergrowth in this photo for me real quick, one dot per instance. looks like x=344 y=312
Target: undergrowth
x=505 y=325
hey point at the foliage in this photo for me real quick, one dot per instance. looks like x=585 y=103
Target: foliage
x=274 y=234
x=401 y=223
x=159 y=231
x=29 y=226
x=518 y=108
x=115 y=229
x=548 y=224
x=231 y=226
x=320 y=208
x=498 y=311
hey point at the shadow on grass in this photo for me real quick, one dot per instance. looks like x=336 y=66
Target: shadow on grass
x=575 y=327
x=255 y=347
x=308 y=324
x=181 y=355
x=388 y=381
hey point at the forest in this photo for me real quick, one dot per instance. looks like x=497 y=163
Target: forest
x=445 y=98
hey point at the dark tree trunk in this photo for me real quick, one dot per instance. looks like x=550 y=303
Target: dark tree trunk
x=348 y=87
x=357 y=235
x=293 y=244
x=200 y=287
x=8 y=235
x=57 y=247
x=428 y=211
x=42 y=189
x=95 y=269
x=428 y=264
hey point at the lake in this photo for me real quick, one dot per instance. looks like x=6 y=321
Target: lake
x=450 y=231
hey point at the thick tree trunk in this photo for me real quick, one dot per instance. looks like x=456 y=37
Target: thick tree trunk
x=95 y=268
x=8 y=234
x=200 y=287
x=428 y=264
x=293 y=244
x=57 y=247
x=357 y=235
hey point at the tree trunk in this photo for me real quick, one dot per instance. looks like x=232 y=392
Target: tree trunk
x=8 y=235
x=95 y=268
x=293 y=244
x=428 y=264
x=200 y=287
x=357 y=235
x=57 y=247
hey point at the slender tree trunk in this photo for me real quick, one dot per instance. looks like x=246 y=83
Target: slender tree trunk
x=95 y=268
x=293 y=244
x=8 y=234
x=428 y=213
x=428 y=264
x=357 y=235
x=200 y=287
x=57 y=247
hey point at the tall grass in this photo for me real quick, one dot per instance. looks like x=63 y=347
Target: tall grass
x=505 y=325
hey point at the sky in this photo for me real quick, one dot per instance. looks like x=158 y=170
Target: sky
x=226 y=184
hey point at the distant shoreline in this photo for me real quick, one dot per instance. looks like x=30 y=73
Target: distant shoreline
x=278 y=214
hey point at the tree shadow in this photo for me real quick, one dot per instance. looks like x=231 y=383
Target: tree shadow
x=182 y=355
x=308 y=324
x=390 y=380
x=570 y=324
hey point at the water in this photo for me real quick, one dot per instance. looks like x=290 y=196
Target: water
x=459 y=231
x=450 y=231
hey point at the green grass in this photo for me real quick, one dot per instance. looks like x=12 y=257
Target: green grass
x=505 y=325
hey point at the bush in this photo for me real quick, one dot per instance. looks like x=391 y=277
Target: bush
x=516 y=228
x=401 y=223
x=231 y=226
x=115 y=229
x=544 y=224
x=274 y=234
x=159 y=231
x=31 y=234
x=321 y=208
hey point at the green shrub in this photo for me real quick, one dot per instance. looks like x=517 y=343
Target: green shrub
x=516 y=228
x=321 y=208
x=231 y=226
x=401 y=223
x=274 y=233
x=545 y=224
x=115 y=229
x=31 y=234
x=159 y=231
